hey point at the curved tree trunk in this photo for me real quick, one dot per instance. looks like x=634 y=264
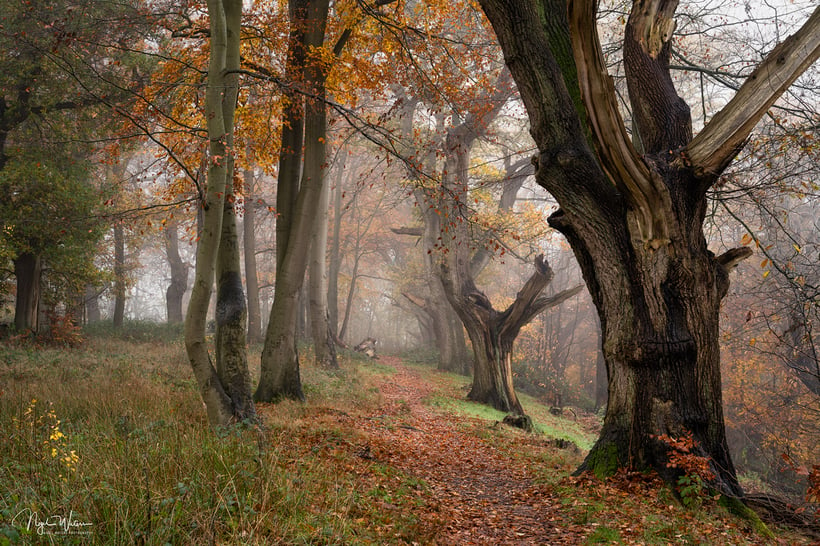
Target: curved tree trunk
x=28 y=269
x=179 y=275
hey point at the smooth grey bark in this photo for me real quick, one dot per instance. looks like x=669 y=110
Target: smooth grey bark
x=635 y=222
x=224 y=387
x=314 y=171
x=280 y=376
x=231 y=311
x=249 y=244
x=335 y=259
x=179 y=275
x=119 y=275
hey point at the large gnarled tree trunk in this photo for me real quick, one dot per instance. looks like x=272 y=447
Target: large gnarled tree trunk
x=635 y=221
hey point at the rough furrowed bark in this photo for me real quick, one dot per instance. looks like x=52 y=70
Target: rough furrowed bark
x=639 y=241
x=28 y=271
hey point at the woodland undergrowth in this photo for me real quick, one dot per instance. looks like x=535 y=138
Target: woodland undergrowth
x=107 y=443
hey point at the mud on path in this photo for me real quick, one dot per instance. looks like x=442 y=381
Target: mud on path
x=482 y=495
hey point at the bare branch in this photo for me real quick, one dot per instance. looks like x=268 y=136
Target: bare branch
x=719 y=142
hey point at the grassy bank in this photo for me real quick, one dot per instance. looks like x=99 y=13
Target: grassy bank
x=113 y=435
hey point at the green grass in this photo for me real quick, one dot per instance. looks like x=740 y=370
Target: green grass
x=114 y=434
x=452 y=399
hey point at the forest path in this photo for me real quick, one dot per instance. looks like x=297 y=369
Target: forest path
x=483 y=496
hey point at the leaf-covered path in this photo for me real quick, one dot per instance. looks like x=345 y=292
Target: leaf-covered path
x=482 y=495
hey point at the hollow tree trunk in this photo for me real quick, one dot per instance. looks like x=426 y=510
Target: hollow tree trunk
x=28 y=268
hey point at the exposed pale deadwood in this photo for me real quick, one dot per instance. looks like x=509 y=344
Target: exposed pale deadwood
x=718 y=143
x=617 y=155
x=734 y=256
x=415 y=231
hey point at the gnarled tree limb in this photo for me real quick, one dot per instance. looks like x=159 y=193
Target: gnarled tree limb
x=718 y=143
x=617 y=155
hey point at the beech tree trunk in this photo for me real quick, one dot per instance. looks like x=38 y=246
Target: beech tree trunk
x=179 y=275
x=231 y=312
x=251 y=275
x=280 y=377
x=225 y=387
x=119 y=275
x=314 y=172
x=635 y=222
x=28 y=270
x=335 y=260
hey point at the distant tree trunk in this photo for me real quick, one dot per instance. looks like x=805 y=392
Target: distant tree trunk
x=351 y=291
x=92 y=304
x=119 y=275
x=28 y=269
x=802 y=357
x=251 y=276
x=179 y=275
x=493 y=333
x=225 y=388
x=335 y=262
